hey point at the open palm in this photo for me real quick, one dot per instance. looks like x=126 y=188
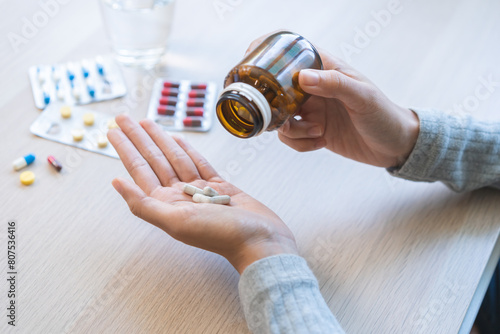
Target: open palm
x=160 y=165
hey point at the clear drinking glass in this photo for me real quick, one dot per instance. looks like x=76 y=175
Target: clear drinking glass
x=138 y=29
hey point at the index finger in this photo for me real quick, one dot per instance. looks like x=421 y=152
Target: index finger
x=206 y=170
x=133 y=161
x=148 y=149
x=180 y=161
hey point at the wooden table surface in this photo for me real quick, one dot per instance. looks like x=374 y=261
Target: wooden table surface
x=391 y=256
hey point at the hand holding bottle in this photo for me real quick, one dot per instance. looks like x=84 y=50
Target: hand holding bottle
x=350 y=116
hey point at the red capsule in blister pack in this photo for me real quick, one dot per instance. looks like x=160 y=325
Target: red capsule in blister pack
x=195 y=103
x=192 y=122
x=198 y=86
x=170 y=92
x=168 y=84
x=196 y=93
x=168 y=101
x=166 y=110
x=198 y=112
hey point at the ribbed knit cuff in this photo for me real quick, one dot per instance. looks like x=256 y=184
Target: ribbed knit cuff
x=280 y=294
x=460 y=151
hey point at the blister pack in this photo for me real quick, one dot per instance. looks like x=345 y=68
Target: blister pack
x=79 y=82
x=183 y=105
x=76 y=126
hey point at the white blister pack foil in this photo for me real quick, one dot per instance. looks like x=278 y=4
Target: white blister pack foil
x=51 y=125
x=77 y=82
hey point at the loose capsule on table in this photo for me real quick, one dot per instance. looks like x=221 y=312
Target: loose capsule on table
x=262 y=91
x=54 y=163
x=22 y=162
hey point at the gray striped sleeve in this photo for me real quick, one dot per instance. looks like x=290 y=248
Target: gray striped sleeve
x=458 y=150
x=280 y=294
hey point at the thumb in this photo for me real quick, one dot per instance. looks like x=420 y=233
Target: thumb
x=333 y=84
x=153 y=211
x=132 y=194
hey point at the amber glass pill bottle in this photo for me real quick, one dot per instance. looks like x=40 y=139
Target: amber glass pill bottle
x=262 y=91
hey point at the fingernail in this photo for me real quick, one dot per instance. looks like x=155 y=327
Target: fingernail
x=309 y=77
x=314 y=131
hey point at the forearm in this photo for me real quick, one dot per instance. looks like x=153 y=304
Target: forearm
x=280 y=294
x=460 y=151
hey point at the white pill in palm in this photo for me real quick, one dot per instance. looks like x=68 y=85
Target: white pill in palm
x=200 y=198
x=209 y=191
x=222 y=199
x=191 y=190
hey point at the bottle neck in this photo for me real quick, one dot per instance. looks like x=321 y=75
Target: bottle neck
x=243 y=110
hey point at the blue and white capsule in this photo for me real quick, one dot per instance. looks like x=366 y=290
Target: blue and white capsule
x=85 y=72
x=46 y=97
x=100 y=69
x=91 y=91
x=22 y=162
x=71 y=75
x=56 y=76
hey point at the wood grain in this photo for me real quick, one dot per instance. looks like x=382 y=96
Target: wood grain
x=391 y=256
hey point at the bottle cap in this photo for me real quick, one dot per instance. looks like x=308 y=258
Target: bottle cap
x=256 y=112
